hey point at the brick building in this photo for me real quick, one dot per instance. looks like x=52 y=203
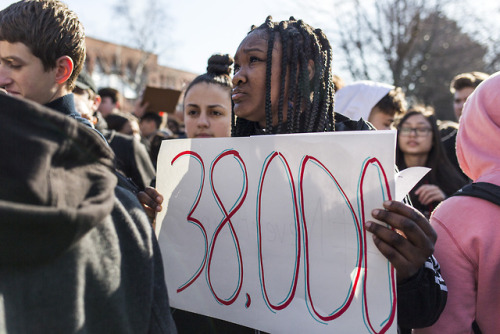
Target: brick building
x=129 y=70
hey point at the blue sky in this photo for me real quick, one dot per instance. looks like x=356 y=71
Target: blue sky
x=195 y=29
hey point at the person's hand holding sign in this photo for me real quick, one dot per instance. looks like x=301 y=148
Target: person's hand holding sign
x=407 y=242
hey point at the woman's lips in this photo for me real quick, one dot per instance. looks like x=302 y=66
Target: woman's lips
x=204 y=135
x=237 y=95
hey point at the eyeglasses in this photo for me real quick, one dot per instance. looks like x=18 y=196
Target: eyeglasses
x=419 y=132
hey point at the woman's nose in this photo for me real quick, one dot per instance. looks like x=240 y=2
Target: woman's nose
x=203 y=121
x=239 y=77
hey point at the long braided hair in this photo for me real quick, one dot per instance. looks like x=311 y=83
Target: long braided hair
x=310 y=102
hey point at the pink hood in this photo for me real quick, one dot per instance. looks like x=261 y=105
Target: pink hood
x=478 y=139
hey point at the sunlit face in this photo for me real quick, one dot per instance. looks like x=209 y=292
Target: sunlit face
x=207 y=111
x=249 y=80
x=459 y=99
x=380 y=120
x=417 y=140
x=22 y=74
x=82 y=105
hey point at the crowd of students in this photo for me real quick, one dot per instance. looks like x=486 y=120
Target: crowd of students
x=78 y=253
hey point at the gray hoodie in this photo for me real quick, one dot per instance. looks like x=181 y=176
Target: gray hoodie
x=77 y=254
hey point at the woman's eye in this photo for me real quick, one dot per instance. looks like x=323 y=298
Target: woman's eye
x=192 y=113
x=216 y=113
x=254 y=59
x=13 y=66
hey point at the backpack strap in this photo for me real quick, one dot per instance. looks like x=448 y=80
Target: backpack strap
x=484 y=190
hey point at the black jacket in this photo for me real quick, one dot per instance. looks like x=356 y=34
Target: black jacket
x=77 y=253
x=131 y=158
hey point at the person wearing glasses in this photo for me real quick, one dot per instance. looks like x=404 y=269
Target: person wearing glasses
x=419 y=144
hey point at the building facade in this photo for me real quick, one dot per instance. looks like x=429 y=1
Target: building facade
x=129 y=70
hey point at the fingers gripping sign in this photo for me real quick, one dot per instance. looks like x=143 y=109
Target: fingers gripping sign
x=151 y=201
x=407 y=242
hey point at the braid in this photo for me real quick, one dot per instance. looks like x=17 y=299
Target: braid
x=328 y=107
x=270 y=45
x=233 y=122
x=316 y=53
x=284 y=65
x=309 y=102
x=294 y=88
x=305 y=84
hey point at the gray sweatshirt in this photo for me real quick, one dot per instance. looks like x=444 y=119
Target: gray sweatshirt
x=77 y=253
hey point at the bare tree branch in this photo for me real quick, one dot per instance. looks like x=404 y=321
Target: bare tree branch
x=412 y=44
x=145 y=22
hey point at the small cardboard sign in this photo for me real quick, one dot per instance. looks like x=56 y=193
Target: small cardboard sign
x=161 y=99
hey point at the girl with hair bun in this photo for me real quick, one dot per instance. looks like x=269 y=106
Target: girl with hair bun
x=207 y=114
x=207 y=100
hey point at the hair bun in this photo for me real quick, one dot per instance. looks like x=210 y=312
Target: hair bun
x=220 y=64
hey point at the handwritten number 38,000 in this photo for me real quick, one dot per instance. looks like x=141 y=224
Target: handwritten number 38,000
x=301 y=231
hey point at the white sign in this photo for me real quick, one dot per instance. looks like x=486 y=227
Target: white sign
x=267 y=231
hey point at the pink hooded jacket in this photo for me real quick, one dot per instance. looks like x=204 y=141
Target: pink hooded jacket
x=468 y=245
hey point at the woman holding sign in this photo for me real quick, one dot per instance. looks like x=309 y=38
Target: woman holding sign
x=283 y=84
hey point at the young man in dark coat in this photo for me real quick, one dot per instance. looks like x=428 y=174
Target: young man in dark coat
x=78 y=254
